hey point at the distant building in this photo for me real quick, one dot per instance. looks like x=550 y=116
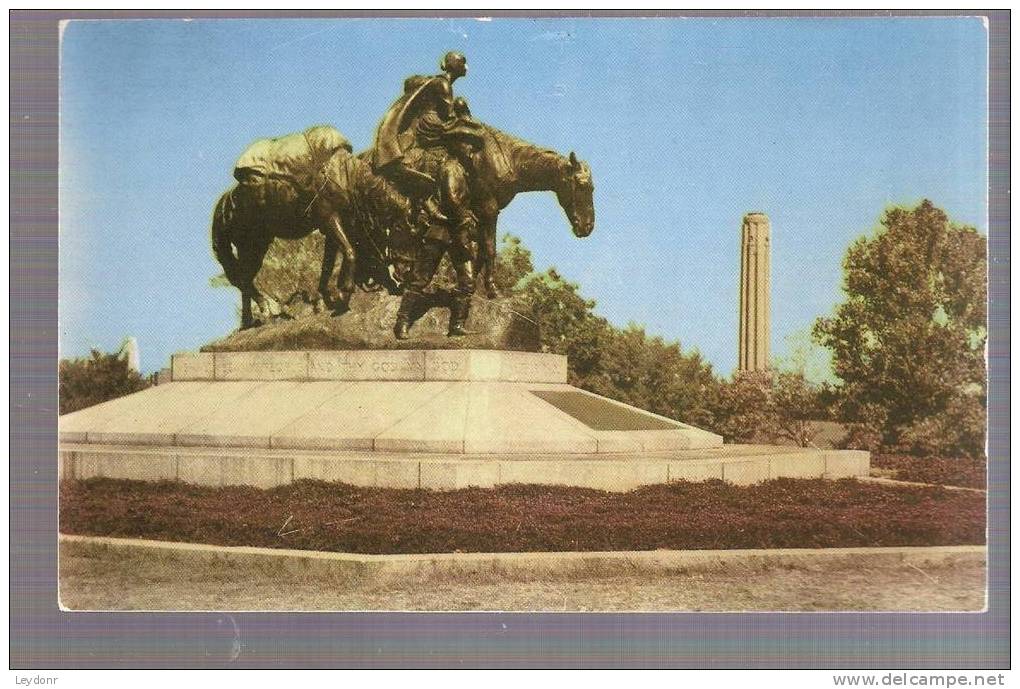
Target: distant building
x=755 y=302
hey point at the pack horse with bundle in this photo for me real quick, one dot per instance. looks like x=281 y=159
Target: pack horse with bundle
x=294 y=185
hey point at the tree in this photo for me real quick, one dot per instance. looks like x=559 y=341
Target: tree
x=567 y=323
x=908 y=342
x=767 y=405
x=513 y=263
x=742 y=410
x=796 y=405
x=94 y=379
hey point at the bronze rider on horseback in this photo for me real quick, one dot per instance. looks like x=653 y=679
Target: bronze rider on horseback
x=425 y=145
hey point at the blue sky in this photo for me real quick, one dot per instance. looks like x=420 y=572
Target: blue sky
x=687 y=125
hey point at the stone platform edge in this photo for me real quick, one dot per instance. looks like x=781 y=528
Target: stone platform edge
x=273 y=468
x=381 y=569
x=372 y=365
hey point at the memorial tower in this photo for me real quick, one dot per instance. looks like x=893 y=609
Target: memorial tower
x=755 y=303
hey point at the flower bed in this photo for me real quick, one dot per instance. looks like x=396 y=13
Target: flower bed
x=785 y=513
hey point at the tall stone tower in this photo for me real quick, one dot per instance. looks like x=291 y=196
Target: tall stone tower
x=754 y=293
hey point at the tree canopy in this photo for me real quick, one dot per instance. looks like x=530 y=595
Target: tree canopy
x=97 y=378
x=908 y=342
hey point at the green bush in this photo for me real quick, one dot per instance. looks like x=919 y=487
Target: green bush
x=958 y=431
x=97 y=378
x=771 y=406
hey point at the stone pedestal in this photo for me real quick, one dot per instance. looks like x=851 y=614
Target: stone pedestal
x=420 y=419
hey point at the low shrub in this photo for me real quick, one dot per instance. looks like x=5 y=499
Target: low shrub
x=785 y=513
x=946 y=471
x=97 y=378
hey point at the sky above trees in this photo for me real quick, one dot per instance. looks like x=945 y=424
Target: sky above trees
x=687 y=125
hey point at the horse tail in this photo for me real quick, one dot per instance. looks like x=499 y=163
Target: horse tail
x=223 y=247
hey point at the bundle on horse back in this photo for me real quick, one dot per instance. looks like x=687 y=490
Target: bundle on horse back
x=282 y=170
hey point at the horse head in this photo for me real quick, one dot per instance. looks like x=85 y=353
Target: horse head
x=575 y=193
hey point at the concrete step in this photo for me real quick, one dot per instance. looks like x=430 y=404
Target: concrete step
x=268 y=468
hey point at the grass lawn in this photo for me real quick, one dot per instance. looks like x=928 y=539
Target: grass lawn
x=784 y=513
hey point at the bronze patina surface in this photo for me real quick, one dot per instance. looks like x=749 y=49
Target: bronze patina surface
x=431 y=186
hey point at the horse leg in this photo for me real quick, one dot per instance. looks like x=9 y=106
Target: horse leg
x=242 y=279
x=488 y=251
x=329 y=254
x=250 y=257
x=345 y=281
x=247 y=321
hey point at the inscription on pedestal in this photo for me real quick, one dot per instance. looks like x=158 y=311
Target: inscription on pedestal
x=445 y=368
x=477 y=365
x=374 y=365
x=262 y=366
x=522 y=367
x=367 y=365
x=483 y=365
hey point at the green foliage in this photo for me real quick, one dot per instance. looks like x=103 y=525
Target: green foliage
x=796 y=404
x=97 y=378
x=740 y=410
x=513 y=263
x=219 y=281
x=291 y=268
x=908 y=342
x=771 y=406
x=958 y=430
x=567 y=322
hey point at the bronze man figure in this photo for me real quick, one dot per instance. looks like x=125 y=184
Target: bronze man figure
x=453 y=234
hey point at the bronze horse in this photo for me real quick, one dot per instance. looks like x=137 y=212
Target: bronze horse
x=511 y=166
x=353 y=208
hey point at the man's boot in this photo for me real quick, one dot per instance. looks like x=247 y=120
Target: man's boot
x=405 y=315
x=458 y=315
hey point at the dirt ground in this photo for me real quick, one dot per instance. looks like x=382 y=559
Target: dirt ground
x=118 y=583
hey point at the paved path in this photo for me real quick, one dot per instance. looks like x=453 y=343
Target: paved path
x=136 y=581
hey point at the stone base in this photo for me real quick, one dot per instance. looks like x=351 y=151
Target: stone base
x=267 y=468
x=460 y=402
x=437 y=419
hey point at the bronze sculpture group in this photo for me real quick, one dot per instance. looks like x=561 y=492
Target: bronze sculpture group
x=432 y=184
